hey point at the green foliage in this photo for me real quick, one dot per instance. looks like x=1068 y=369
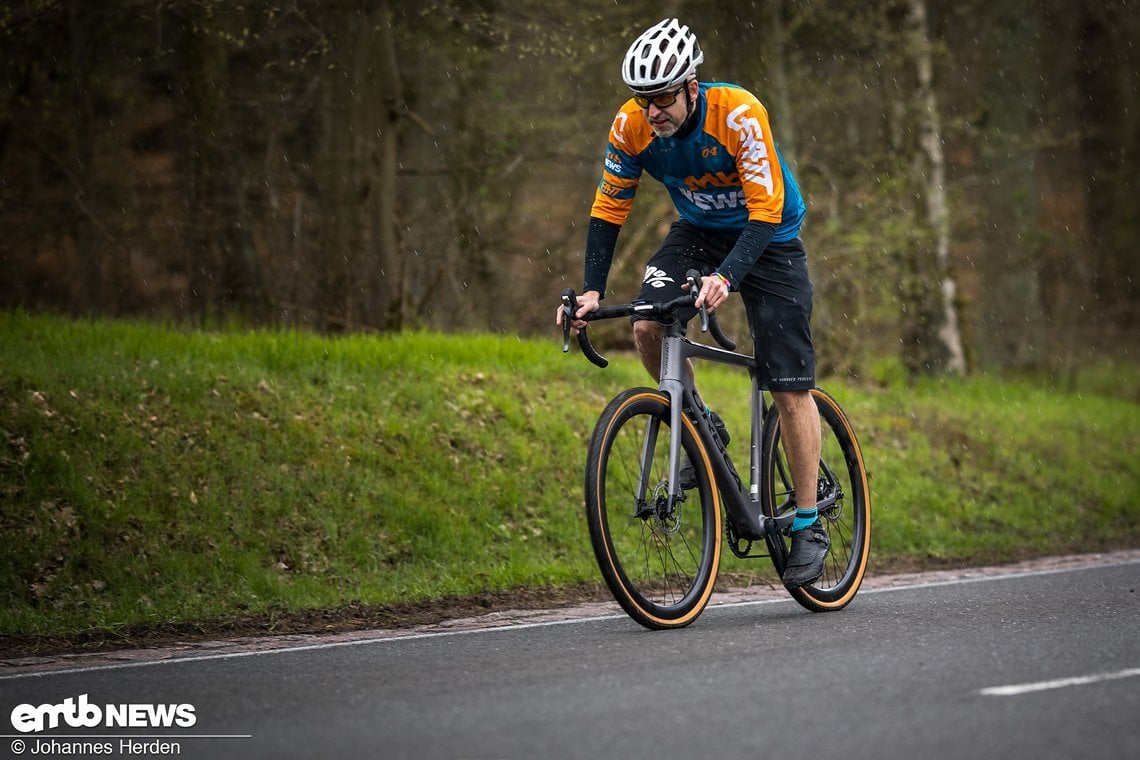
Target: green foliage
x=152 y=474
x=197 y=159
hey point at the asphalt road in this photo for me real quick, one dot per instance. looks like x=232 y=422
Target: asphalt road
x=1034 y=665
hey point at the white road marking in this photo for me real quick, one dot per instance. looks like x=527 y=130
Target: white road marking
x=388 y=637
x=918 y=581
x=1060 y=683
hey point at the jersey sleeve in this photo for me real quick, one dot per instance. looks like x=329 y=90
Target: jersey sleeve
x=748 y=136
x=621 y=173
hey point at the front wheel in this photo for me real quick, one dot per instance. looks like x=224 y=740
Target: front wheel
x=845 y=505
x=660 y=560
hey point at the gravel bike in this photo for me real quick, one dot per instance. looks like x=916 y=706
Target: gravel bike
x=657 y=544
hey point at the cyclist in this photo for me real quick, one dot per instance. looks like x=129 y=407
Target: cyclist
x=740 y=212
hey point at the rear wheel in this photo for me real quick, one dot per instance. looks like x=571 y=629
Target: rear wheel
x=659 y=560
x=845 y=505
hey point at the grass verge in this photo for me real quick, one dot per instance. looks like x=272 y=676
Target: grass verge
x=152 y=476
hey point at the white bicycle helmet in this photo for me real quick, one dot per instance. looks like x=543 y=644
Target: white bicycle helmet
x=663 y=57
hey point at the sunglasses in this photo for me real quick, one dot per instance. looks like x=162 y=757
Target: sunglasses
x=664 y=100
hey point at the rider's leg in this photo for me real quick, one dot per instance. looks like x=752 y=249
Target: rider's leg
x=647 y=338
x=778 y=293
x=800 y=431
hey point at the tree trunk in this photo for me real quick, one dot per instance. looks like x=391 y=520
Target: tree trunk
x=937 y=208
x=784 y=117
x=1009 y=311
x=358 y=176
x=1064 y=205
x=392 y=289
x=206 y=69
x=92 y=287
x=333 y=302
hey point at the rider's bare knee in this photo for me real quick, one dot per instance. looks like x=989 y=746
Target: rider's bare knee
x=646 y=332
x=793 y=402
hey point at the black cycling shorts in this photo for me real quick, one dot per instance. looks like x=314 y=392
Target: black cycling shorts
x=777 y=297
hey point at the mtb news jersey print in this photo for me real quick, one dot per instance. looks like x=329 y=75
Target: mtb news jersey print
x=725 y=172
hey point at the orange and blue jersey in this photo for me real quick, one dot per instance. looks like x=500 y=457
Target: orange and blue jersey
x=726 y=172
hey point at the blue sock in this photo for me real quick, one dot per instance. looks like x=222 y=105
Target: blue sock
x=804 y=518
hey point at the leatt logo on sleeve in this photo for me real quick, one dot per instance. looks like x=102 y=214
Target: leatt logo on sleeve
x=618 y=128
x=753 y=150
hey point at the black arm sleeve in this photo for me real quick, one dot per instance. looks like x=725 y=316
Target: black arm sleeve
x=747 y=250
x=601 y=241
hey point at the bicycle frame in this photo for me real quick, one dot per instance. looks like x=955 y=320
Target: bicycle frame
x=743 y=506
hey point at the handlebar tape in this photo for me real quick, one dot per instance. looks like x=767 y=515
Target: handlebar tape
x=590 y=352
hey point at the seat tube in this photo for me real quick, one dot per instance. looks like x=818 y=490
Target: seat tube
x=755 y=454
